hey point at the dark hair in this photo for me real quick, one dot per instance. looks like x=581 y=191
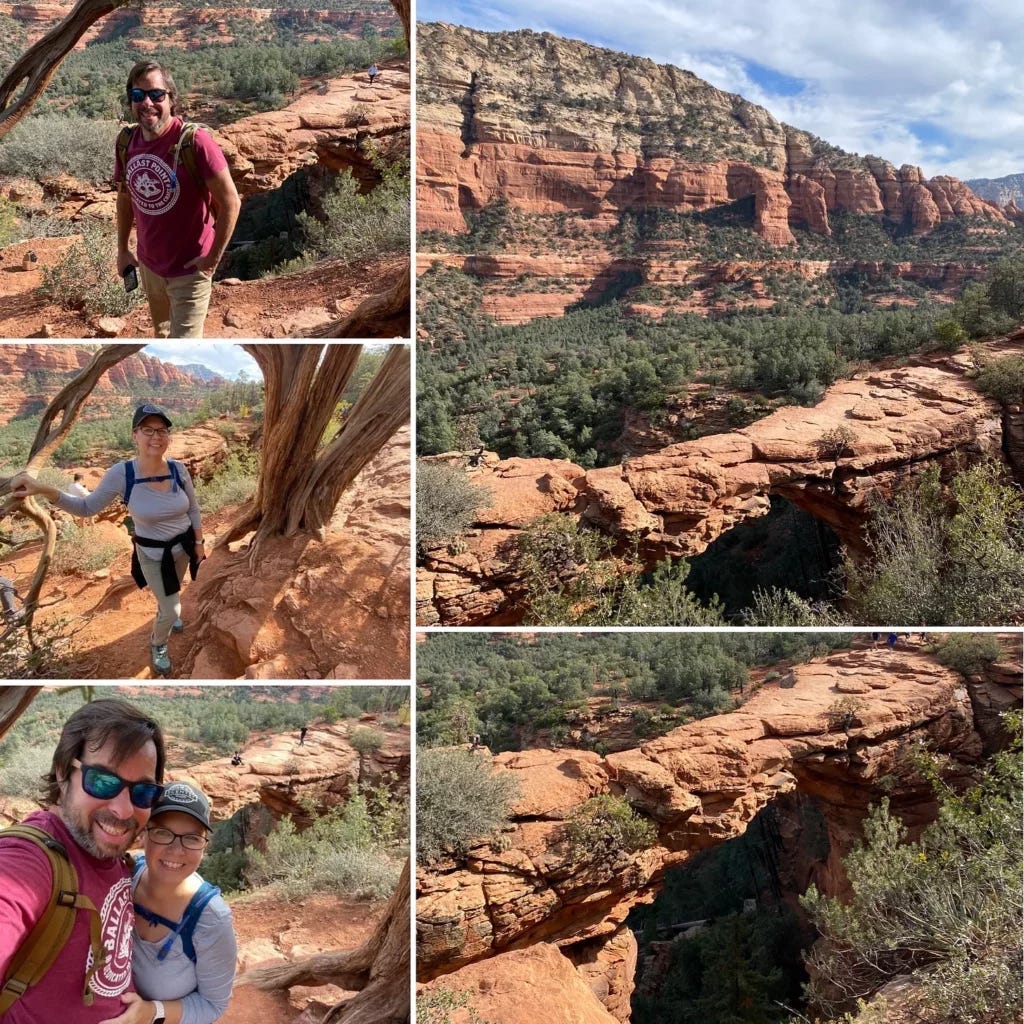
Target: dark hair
x=91 y=726
x=144 y=67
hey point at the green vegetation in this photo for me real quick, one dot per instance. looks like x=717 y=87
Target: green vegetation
x=509 y=689
x=340 y=852
x=968 y=653
x=85 y=278
x=460 y=801
x=366 y=740
x=1003 y=380
x=943 y=554
x=447 y=502
x=232 y=484
x=606 y=826
x=945 y=908
x=51 y=144
x=80 y=549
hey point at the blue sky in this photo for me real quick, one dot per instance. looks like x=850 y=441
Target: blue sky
x=937 y=85
x=221 y=357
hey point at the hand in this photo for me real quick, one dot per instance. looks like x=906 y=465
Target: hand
x=138 y=1010
x=125 y=260
x=201 y=550
x=204 y=264
x=24 y=486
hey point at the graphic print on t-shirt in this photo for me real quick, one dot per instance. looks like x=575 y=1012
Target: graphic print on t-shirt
x=151 y=183
x=117 y=916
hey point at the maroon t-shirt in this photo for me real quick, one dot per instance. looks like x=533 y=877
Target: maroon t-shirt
x=25 y=880
x=173 y=220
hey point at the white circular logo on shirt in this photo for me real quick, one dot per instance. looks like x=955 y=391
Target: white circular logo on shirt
x=117 y=917
x=150 y=182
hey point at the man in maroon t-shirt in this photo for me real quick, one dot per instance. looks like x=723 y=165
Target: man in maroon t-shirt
x=104 y=779
x=184 y=212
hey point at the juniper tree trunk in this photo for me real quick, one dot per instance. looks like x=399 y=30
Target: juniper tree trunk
x=66 y=405
x=303 y=473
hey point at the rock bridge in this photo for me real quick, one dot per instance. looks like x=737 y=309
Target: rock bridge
x=867 y=437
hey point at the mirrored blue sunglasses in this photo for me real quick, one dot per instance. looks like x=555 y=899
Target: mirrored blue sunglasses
x=102 y=784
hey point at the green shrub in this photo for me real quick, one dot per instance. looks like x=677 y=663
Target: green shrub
x=24 y=769
x=447 y=502
x=232 y=484
x=366 y=740
x=86 y=279
x=461 y=799
x=968 y=653
x=1003 y=380
x=47 y=145
x=80 y=549
x=946 y=908
x=337 y=853
x=606 y=826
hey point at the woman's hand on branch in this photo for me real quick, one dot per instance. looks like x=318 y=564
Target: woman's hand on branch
x=24 y=485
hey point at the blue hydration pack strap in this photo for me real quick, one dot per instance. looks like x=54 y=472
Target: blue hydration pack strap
x=130 y=479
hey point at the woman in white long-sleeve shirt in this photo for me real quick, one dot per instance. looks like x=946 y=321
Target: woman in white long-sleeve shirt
x=168 y=529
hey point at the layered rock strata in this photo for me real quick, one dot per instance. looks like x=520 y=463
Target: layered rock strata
x=862 y=442
x=558 y=126
x=701 y=785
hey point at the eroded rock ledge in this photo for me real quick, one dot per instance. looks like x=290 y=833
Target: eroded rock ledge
x=500 y=919
x=678 y=501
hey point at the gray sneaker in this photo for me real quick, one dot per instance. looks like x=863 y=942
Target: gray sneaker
x=160 y=658
x=178 y=626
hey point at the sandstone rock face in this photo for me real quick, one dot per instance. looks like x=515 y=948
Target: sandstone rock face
x=558 y=126
x=701 y=784
x=31 y=375
x=679 y=500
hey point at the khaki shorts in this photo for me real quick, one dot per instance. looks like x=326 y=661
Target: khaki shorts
x=177 y=305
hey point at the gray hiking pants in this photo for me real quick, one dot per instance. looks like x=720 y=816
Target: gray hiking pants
x=168 y=606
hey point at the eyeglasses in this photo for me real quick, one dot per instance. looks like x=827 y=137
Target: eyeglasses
x=102 y=784
x=165 y=837
x=155 y=431
x=138 y=95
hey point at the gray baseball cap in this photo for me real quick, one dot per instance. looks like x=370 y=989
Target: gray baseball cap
x=149 y=410
x=185 y=799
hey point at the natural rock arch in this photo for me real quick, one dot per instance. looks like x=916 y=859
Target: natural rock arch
x=702 y=784
x=894 y=423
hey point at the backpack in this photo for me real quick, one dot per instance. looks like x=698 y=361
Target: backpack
x=184 y=150
x=130 y=480
x=36 y=954
x=189 y=919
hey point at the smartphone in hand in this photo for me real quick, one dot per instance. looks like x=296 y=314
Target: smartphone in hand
x=131 y=278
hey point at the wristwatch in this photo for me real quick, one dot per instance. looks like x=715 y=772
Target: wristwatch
x=158 y=1016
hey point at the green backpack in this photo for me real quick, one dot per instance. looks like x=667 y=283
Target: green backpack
x=35 y=956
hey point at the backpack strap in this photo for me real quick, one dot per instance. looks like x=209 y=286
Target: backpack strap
x=124 y=138
x=36 y=954
x=129 y=479
x=190 y=919
x=185 y=151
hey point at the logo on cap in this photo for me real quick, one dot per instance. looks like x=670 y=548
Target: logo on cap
x=179 y=793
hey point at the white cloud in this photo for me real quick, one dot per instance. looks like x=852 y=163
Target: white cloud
x=870 y=70
x=223 y=358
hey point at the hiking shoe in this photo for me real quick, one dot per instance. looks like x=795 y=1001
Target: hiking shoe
x=160 y=658
x=178 y=626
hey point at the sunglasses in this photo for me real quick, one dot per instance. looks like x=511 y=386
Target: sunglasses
x=138 y=95
x=102 y=784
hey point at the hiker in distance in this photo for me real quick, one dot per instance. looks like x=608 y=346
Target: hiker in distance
x=168 y=537
x=173 y=184
x=185 y=951
x=105 y=777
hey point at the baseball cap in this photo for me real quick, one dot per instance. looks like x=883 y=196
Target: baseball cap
x=186 y=799
x=149 y=410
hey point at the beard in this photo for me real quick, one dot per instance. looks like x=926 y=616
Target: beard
x=80 y=826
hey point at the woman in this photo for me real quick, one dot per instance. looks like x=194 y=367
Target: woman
x=168 y=530
x=184 y=952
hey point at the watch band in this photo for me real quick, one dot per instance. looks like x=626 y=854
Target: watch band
x=158 y=1016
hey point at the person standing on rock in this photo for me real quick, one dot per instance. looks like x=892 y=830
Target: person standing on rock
x=174 y=185
x=104 y=778
x=183 y=962
x=168 y=537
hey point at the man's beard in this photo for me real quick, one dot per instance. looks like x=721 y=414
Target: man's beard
x=83 y=835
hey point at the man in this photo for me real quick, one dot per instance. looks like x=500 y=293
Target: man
x=184 y=205
x=79 y=490
x=104 y=779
